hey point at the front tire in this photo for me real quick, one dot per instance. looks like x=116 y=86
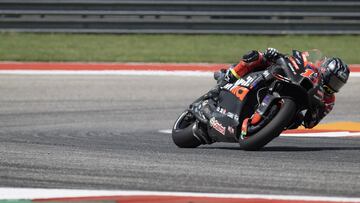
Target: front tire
x=272 y=129
x=183 y=132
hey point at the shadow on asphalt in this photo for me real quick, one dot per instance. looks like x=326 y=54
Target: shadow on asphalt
x=290 y=148
x=302 y=149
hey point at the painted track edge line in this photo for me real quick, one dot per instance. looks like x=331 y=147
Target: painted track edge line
x=107 y=72
x=38 y=193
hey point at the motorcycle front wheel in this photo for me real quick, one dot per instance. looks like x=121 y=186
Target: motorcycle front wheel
x=183 y=132
x=273 y=129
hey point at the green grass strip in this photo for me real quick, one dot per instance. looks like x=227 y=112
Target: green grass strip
x=15 y=201
x=164 y=48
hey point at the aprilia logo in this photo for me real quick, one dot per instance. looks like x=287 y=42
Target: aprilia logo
x=217 y=126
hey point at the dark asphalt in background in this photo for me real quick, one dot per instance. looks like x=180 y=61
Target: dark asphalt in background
x=101 y=132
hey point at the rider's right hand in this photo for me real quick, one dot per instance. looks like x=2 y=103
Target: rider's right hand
x=224 y=76
x=271 y=54
x=218 y=75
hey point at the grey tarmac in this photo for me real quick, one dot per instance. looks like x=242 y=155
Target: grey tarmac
x=101 y=132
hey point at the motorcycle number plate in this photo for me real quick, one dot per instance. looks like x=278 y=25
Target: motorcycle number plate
x=240 y=92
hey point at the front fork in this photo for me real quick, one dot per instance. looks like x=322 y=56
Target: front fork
x=258 y=120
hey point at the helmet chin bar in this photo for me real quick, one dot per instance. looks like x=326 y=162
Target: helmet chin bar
x=335 y=83
x=328 y=89
x=335 y=75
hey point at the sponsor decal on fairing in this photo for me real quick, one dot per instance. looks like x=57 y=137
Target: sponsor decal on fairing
x=246 y=82
x=221 y=110
x=217 y=126
x=228 y=86
x=227 y=113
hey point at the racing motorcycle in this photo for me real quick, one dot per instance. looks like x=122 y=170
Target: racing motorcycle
x=256 y=108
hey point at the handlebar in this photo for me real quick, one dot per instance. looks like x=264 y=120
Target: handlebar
x=280 y=62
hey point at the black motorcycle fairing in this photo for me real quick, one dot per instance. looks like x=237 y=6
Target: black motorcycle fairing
x=235 y=102
x=222 y=126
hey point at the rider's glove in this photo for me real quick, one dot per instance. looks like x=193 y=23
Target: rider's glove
x=251 y=56
x=219 y=75
x=224 y=76
x=271 y=54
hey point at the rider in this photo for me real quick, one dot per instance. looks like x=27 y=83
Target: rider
x=334 y=74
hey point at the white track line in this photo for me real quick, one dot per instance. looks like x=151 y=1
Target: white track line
x=32 y=193
x=355 y=74
x=323 y=134
x=117 y=72
x=107 y=72
x=312 y=135
x=165 y=131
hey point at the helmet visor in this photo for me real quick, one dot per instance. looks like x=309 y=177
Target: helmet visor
x=335 y=83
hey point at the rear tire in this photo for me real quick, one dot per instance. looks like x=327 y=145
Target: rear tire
x=272 y=129
x=183 y=133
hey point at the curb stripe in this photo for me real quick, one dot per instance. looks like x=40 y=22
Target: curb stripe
x=111 y=66
x=173 y=199
x=42 y=195
x=341 y=134
x=107 y=72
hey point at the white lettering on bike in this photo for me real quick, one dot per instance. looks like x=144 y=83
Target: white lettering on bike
x=266 y=73
x=228 y=86
x=221 y=110
x=244 y=83
x=233 y=116
x=229 y=114
x=217 y=126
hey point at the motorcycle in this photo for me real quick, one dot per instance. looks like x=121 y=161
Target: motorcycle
x=256 y=108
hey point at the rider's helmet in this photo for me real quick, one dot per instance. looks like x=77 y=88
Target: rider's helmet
x=335 y=74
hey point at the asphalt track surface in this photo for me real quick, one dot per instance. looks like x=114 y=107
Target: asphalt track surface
x=101 y=132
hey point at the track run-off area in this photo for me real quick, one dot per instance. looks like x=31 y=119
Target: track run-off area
x=81 y=131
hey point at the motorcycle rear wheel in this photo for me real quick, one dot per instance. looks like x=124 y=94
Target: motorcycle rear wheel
x=272 y=129
x=183 y=133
